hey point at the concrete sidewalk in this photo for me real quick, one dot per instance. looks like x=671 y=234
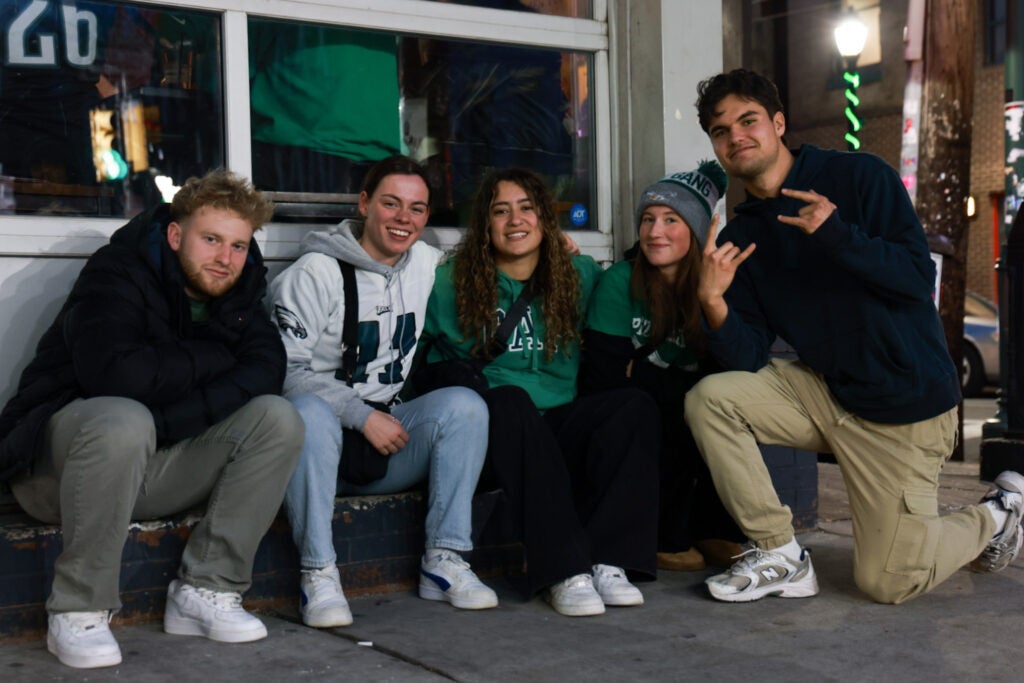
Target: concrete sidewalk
x=969 y=628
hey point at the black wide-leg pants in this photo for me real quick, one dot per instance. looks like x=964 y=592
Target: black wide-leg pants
x=580 y=482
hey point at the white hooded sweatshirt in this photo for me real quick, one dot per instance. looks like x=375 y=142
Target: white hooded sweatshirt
x=307 y=301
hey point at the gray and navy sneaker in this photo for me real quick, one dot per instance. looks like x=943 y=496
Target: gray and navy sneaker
x=1007 y=493
x=760 y=573
x=446 y=576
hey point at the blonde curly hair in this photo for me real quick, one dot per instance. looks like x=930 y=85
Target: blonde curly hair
x=222 y=189
x=555 y=281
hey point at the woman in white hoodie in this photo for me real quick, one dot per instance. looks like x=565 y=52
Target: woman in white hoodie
x=440 y=437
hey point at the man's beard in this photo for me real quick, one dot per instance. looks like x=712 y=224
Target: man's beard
x=195 y=282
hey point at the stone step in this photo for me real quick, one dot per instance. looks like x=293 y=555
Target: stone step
x=379 y=541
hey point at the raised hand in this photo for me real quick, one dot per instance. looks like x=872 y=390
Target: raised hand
x=716 y=274
x=720 y=264
x=817 y=209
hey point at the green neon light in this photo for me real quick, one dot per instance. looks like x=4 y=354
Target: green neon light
x=854 y=121
x=853 y=79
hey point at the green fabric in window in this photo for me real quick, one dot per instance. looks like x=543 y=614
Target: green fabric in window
x=328 y=89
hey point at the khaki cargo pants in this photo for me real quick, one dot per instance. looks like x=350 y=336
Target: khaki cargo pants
x=902 y=547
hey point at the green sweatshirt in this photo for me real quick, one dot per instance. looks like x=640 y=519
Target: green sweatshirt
x=549 y=383
x=614 y=311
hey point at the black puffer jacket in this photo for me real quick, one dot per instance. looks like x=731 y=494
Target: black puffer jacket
x=125 y=330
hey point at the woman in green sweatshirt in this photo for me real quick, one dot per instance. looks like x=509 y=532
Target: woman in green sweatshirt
x=579 y=474
x=644 y=330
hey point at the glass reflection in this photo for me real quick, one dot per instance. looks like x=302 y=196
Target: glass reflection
x=100 y=99
x=328 y=102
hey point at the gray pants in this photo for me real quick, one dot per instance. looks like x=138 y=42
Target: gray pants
x=99 y=469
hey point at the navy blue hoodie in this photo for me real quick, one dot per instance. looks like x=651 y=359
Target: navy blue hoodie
x=854 y=298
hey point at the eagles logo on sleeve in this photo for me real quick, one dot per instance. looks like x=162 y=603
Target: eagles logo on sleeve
x=288 y=321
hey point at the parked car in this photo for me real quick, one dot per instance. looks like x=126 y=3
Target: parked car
x=981 y=344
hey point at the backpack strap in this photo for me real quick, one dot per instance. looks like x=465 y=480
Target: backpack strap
x=499 y=342
x=350 y=328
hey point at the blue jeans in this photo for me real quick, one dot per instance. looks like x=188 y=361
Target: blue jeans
x=447 y=442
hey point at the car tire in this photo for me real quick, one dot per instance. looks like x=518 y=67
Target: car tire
x=973 y=379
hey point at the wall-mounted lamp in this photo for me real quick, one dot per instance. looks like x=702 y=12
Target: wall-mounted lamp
x=970 y=207
x=851 y=34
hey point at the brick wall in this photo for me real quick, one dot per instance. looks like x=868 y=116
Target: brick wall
x=987 y=180
x=816 y=115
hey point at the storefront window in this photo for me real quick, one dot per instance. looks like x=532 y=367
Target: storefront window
x=562 y=8
x=104 y=104
x=328 y=102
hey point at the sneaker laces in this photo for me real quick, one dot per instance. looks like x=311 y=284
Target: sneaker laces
x=320 y=576
x=453 y=558
x=578 y=581
x=610 y=571
x=751 y=557
x=1002 y=498
x=220 y=599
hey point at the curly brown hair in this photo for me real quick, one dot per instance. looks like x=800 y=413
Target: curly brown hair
x=222 y=189
x=673 y=305
x=744 y=84
x=555 y=281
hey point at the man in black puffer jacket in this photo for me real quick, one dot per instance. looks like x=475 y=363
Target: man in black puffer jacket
x=154 y=391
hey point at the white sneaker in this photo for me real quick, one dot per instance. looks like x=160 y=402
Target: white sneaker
x=1008 y=493
x=576 y=597
x=82 y=639
x=611 y=584
x=194 y=611
x=760 y=573
x=448 y=577
x=321 y=603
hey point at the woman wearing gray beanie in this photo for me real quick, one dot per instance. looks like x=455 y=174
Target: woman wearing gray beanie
x=644 y=329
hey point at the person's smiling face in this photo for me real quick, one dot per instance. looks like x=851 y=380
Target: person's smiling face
x=394 y=216
x=516 y=234
x=212 y=245
x=664 y=238
x=746 y=140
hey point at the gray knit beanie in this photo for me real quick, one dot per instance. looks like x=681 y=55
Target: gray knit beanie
x=691 y=194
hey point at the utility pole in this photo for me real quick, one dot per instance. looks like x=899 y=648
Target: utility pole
x=944 y=161
x=1002 y=444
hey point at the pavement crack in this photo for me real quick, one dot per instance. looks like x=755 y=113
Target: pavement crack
x=357 y=639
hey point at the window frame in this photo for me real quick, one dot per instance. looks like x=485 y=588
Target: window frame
x=78 y=236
